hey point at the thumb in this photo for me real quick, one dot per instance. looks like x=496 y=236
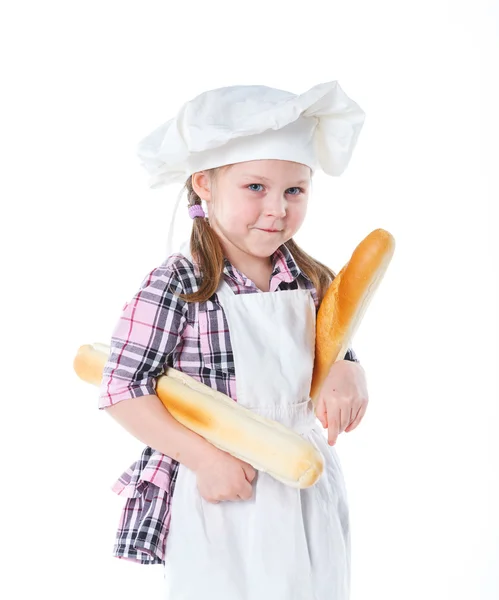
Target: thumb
x=249 y=472
x=321 y=412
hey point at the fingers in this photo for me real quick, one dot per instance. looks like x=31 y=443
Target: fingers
x=345 y=418
x=321 y=412
x=246 y=491
x=342 y=420
x=249 y=472
x=358 y=418
x=237 y=486
x=355 y=421
x=338 y=421
x=334 y=419
x=333 y=430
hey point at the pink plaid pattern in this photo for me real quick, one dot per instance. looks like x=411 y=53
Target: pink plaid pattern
x=156 y=329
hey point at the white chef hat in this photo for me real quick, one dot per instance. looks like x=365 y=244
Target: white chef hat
x=249 y=122
x=228 y=125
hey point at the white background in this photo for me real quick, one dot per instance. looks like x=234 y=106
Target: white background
x=82 y=83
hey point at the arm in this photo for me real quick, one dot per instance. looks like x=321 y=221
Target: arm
x=219 y=475
x=146 y=334
x=149 y=421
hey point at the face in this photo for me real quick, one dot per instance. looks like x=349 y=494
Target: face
x=255 y=206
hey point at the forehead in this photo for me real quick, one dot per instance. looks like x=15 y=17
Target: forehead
x=270 y=169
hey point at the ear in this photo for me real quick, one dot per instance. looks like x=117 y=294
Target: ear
x=201 y=185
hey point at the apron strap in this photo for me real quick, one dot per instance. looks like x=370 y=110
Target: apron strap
x=224 y=290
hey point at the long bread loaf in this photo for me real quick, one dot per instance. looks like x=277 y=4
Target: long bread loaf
x=265 y=444
x=346 y=301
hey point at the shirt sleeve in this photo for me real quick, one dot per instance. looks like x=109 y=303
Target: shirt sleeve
x=350 y=355
x=146 y=334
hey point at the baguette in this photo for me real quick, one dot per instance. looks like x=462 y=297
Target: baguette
x=346 y=302
x=265 y=444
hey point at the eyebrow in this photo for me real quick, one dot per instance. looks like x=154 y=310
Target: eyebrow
x=251 y=176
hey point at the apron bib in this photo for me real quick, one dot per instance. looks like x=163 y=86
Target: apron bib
x=283 y=543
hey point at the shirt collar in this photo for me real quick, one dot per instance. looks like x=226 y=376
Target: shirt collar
x=284 y=267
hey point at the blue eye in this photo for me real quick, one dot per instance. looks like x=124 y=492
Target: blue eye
x=300 y=190
x=257 y=184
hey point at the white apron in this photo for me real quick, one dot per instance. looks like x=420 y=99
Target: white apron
x=283 y=543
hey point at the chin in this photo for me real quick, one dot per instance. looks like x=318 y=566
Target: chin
x=265 y=252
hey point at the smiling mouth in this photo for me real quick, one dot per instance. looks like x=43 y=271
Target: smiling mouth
x=271 y=230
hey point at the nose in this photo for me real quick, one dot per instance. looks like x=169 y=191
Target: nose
x=276 y=205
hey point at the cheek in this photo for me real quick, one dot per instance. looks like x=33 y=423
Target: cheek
x=296 y=215
x=240 y=215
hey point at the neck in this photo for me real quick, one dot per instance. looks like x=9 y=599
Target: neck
x=257 y=269
x=247 y=266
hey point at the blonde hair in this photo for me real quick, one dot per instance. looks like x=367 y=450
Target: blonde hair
x=207 y=250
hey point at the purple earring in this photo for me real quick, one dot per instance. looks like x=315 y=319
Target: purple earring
x=196 y=210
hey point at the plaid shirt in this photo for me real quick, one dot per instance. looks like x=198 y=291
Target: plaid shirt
x=157 y=329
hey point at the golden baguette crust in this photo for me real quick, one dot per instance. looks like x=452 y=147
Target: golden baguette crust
x=265 y=444
x=346 y=301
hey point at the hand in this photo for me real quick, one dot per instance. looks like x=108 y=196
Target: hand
x=223 y=477
x=343 y=399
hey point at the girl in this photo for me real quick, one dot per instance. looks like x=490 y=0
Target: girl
x=236 y=309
